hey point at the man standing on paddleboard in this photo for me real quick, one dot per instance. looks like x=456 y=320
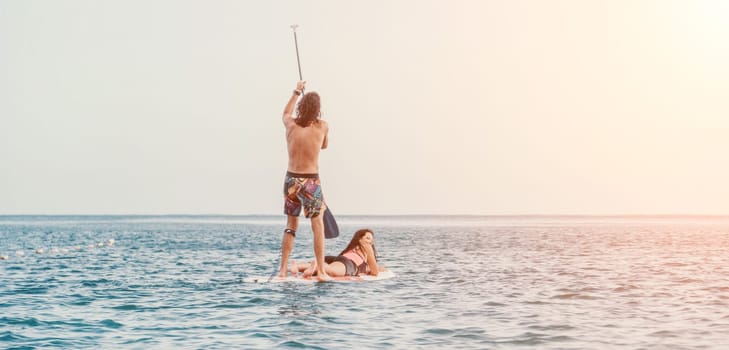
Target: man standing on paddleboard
x=306 y=135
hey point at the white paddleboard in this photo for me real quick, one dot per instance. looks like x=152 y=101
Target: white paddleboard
x=268 y=279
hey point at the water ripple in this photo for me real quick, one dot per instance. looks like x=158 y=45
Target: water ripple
x=178 y=284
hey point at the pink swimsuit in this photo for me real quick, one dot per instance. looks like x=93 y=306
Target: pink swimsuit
x=358 y=260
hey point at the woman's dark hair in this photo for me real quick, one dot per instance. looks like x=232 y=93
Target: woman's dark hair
x=307 y=111
x=355 y=241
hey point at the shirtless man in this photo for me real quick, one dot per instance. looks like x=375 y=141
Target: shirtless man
x=306 y=135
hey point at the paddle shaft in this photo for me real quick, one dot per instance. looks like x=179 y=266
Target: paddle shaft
x=296 y=44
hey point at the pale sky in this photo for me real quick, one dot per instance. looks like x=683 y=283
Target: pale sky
x=435 y=107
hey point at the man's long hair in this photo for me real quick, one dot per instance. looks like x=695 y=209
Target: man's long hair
x=307 y=111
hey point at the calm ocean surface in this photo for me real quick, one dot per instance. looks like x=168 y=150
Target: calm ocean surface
x=463 y=283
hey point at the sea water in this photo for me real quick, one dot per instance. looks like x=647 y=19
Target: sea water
x=143 y=282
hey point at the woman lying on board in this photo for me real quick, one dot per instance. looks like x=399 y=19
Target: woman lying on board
x=358 y=258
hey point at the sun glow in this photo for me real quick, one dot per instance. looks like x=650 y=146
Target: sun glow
x=704 y=24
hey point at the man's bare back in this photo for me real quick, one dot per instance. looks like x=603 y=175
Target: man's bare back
x=304 y=144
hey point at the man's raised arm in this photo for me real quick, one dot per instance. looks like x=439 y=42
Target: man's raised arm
x=288 y=114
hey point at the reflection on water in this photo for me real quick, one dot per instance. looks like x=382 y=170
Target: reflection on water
x=298 y=301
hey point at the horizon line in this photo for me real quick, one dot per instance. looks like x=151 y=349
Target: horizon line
x=389 y=215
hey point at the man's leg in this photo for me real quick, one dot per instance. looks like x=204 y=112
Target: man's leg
x=287 y=243
x=317 y=225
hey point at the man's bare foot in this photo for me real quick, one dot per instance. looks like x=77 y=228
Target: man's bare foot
x=294 y=268
x=321 y=276
x=309 y=270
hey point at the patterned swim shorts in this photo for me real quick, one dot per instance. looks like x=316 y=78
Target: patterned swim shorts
x=302 y=190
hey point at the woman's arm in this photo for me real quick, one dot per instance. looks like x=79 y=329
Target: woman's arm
x=371 y=260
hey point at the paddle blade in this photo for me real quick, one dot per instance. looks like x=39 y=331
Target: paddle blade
x=331 y=229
